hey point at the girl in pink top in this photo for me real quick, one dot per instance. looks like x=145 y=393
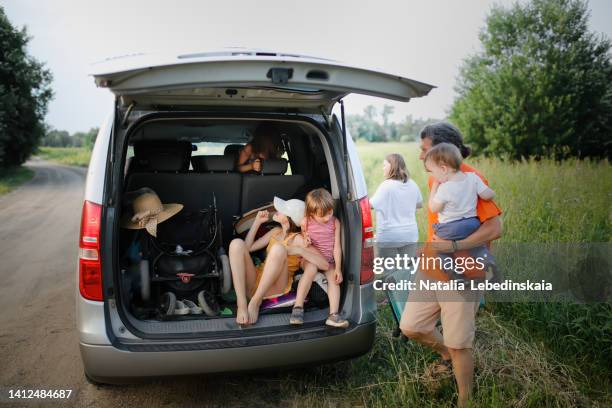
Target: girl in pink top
x=321 y=230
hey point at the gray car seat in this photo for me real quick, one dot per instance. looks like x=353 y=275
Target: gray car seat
x=195 y=189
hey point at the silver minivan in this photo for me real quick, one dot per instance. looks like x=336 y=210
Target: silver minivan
x=195 y=110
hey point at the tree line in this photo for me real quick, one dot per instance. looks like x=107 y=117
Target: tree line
x=61 y=138
x=367 y=126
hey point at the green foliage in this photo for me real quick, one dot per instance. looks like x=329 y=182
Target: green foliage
x=542 y=201
x=542 y=85
x=61 y=138
x=12 y=177
x=24 y=94
x=366 y=127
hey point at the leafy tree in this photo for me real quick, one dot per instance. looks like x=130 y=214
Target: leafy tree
x=90 y=137
x=57 y=138
x=370 y=112
x=24 y=94
x=85 y=139
x=388 y=129
x=387 y=111
x=366 y=127
x=409 y=129
x=542 y=84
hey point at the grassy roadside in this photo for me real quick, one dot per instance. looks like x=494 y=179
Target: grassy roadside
x=71 y=156
x=13 y=177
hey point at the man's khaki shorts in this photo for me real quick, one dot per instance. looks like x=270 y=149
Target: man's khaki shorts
x=458 y=317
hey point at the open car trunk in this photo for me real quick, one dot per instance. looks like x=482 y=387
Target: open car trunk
x=190 y=161
x=213 y=101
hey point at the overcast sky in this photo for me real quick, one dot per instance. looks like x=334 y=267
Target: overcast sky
x=423 y=40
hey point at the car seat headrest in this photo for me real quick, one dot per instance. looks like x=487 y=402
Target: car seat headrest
x=162 y=155
x=213 y=164
x=232 y=150
x=274 y=166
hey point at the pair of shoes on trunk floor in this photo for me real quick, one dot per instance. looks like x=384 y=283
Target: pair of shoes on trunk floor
x=172 y=306
x=334 y=319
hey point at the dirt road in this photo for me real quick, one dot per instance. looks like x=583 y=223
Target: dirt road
x=39 y=227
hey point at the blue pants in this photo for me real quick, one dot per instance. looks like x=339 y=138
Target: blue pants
x=458 y=229
x=461 y=229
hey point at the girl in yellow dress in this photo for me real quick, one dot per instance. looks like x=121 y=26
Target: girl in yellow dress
x=285 y=250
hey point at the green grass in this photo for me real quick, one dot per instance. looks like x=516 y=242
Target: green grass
x=542 y=201
x=71 y=156
x=13 y=177
x=508 y=372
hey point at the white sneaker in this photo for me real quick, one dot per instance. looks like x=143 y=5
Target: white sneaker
x=181 y=308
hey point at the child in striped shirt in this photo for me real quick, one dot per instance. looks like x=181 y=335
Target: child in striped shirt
x=322 y=230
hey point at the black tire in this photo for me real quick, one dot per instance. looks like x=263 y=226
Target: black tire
x=167 y=304
x=208 y=304
x=92 y=381
x=226 y=274
x=145 y=280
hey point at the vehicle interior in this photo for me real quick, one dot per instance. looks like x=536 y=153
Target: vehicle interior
x=192 y=162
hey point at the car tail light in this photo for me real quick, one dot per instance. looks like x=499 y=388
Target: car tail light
x=90 y=266
x=367 y=238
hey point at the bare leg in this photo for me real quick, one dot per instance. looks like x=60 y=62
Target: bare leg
x=463 y=366
x=333 y=291
x=243 y=276
x=310 y=271
x=274 y=276
x=433 y=340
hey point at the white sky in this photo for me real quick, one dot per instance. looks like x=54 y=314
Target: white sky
x=423 y=40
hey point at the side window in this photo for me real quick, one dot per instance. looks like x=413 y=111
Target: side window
x=209 y=149
x=284 y=156
x=128 y=159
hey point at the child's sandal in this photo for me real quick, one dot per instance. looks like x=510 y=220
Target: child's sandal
x=297 y=316
x=335 y=320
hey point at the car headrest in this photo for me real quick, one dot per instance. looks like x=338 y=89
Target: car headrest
x=274 y=166
x=232 y=149
x=162 y=155
x=213 y=164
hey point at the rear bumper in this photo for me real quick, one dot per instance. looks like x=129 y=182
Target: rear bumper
x=114 y=365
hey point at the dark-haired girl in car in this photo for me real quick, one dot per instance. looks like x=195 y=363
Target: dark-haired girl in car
x=266 y=144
